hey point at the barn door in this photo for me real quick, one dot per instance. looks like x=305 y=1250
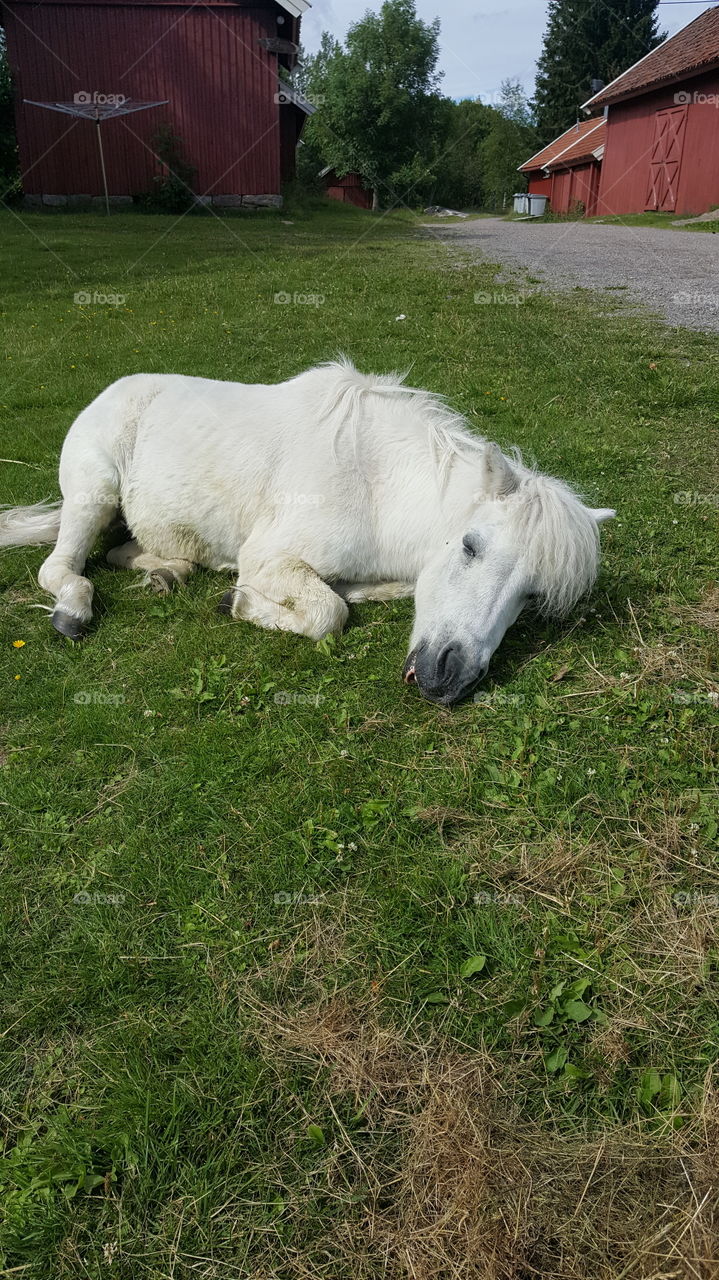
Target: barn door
x=560 y=191
x=666 y=159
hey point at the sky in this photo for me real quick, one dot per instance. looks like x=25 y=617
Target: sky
x=482 y=42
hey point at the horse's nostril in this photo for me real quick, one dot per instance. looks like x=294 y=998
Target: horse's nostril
x=449 y=661
x=409 y=674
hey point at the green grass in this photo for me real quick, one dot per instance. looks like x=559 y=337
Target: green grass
x=279 y=899
x=665 y=220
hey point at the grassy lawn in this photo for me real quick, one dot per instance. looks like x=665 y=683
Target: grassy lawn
x=355 y=986
x=665 y=221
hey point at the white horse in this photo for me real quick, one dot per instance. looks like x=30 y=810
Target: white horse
x=332 y=487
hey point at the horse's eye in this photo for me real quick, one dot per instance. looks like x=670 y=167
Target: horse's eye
x=470 y=546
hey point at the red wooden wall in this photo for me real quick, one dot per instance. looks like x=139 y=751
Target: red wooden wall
x=539 y=184
x=568 y=187
x=205 y=59
x=349 y=190
x=630 y=145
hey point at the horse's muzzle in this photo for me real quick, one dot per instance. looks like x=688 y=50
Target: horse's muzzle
x=445 y=675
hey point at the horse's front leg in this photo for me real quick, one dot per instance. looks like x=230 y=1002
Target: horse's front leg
x=283 y=593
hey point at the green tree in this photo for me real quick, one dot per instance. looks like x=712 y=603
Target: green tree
x=9 y=168
x=379 y=112
x=511 y=139
x=457 y=169
x=310 y=77
x=514 y=104
x=584 y=40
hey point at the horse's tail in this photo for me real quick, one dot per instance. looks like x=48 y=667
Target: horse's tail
x=29 y=526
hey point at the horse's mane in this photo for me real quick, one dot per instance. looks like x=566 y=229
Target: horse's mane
x=448 y=432
x=559 y=536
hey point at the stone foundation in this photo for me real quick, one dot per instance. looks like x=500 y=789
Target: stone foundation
x=242 y=202
x=126 y=202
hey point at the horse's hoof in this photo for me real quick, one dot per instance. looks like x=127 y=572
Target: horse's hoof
x=162 y=581
x=68 y=625
x=226 y=603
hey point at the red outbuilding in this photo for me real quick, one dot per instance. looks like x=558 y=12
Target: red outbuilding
x=567 y=171
x=214 y=64
x=662 y=149
x=348 y=189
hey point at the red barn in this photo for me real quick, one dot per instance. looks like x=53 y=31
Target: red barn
x=567 y=171
x=349 y=189
x=662 y=147
x=217 y=63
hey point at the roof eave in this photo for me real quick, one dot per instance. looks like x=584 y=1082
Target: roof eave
x=678 y=78
x=295 y=8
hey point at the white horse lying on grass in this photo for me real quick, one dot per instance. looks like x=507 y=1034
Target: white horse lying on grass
x=333 y=487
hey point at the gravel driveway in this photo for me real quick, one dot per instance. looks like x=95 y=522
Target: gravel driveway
x=674 y=273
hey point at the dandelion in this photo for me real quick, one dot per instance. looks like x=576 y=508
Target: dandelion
x=18 y=644
x=17 y=677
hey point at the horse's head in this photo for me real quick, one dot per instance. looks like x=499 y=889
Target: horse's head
x=527 y=539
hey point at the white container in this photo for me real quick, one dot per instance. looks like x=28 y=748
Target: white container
x=537 y=206
x=521 y=202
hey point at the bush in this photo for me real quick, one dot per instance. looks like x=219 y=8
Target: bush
x=174 y=189
x=10 y=185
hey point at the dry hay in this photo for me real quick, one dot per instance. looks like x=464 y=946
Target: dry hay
x=445 y=1182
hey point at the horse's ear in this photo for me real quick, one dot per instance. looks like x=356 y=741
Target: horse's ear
x=500 y=478
x=602 y=513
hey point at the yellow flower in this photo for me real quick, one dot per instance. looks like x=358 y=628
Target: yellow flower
x=18 y=644
x=17 y=677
